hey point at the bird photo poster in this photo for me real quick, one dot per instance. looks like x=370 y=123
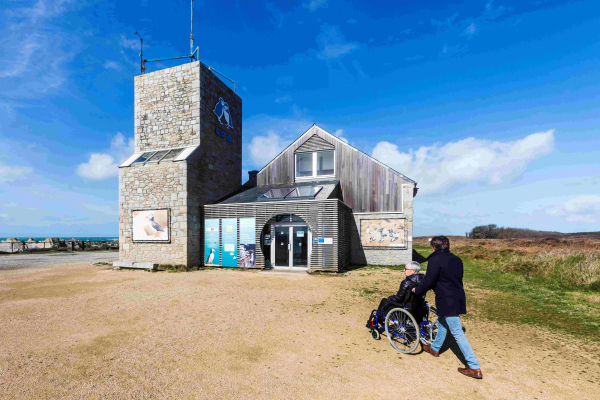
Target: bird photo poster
x=211 y=241
x=247 y=249
x=387 y=232
x=151 y=225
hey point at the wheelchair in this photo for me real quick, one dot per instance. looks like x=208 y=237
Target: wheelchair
x=402 y=329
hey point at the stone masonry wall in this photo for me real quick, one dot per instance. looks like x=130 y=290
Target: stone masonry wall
x=167 y=108
x=154 y=186
x=215 y=169
x=386 y=256
x=174 y=108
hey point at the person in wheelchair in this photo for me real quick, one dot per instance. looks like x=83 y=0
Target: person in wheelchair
x=405 y=297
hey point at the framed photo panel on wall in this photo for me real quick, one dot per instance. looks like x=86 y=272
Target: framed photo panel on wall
x=388 y=232
x=151 y=225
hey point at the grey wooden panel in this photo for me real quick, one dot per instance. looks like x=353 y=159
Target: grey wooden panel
x=314 y=143
x=367 y=186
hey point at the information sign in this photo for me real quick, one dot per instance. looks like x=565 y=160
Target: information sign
x=211 y=242
x=229 y=242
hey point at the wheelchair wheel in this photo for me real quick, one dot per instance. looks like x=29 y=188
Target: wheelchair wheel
x=375 y=334
x=402 y=330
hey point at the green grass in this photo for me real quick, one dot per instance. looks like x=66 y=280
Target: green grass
x=513 y=297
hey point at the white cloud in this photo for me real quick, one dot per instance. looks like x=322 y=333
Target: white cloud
x=581 y=209
x=332 y=43
x=471 y=29
x=469 y=160
x=4 y=217
x=283 y=99
x=105 y=165
x=492 y=12
x=265 y=148
x=9 y=173
x=314 y=5
x=10 y=204
x=112 y=65
x=339 y=134
x=133 y=44
x=35 y=51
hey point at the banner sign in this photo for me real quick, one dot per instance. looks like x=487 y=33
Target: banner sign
x=151 y=225
x=247 y=242
x=229 y=241
x=389 y=232
x=211 y=242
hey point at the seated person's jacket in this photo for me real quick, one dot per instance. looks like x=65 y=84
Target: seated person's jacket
x=405 y=295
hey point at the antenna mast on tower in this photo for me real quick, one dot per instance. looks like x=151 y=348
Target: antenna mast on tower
x=193 y=53
x=192 y=35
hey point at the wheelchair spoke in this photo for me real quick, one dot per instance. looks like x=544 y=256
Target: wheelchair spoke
x=402 y=330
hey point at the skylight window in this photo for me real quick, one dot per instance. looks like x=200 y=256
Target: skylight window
x=144 y=157
x=276 y=194
x=305 y=191
x=157 y=156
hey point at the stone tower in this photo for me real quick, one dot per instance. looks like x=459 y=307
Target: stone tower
x=188 y=152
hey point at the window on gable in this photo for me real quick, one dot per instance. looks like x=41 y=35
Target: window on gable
x=315 y=164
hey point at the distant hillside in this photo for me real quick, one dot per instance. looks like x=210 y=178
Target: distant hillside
x=496 y=232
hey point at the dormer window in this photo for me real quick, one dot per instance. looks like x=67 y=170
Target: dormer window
x=316 y=164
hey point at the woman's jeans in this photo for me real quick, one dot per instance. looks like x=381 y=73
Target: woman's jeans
x=453 y=324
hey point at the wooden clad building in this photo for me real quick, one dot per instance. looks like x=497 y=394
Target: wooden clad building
x=321 y=204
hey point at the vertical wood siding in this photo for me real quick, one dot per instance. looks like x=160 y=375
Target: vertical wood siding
x=366 y=185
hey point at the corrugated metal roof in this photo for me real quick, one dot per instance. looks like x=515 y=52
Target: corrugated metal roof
x=252 y=195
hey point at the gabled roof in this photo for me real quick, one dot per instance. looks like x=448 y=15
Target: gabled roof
x=318 y=129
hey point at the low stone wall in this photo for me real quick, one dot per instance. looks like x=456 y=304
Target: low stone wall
x=16 y=246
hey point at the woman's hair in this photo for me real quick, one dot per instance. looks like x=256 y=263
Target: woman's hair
x=414 y=266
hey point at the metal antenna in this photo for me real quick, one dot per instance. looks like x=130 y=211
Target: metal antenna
x=142 y=61
x=192 y=34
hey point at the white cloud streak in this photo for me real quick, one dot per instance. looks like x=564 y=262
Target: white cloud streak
x=105 y=165
x=438 y=168
x=314 y=5
x=332 y=43
x=582 y=209
x=10 y=173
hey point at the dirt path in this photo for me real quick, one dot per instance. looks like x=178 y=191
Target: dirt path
x=78 y=331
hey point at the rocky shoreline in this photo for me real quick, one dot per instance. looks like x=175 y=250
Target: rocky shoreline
x=12 y=245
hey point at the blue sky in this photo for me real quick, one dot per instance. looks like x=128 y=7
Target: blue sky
x=492 y=106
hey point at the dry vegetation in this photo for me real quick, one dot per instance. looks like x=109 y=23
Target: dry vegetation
x=565 y=262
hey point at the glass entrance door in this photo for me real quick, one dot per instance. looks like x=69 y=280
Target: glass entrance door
x=291 y=246
x=299 y=246
x=282 y=246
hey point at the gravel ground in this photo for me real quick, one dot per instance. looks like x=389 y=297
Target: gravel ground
x=34 y=261
x=80 y=331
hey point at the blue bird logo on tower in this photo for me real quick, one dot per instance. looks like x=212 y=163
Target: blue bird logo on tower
x=222 y=110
